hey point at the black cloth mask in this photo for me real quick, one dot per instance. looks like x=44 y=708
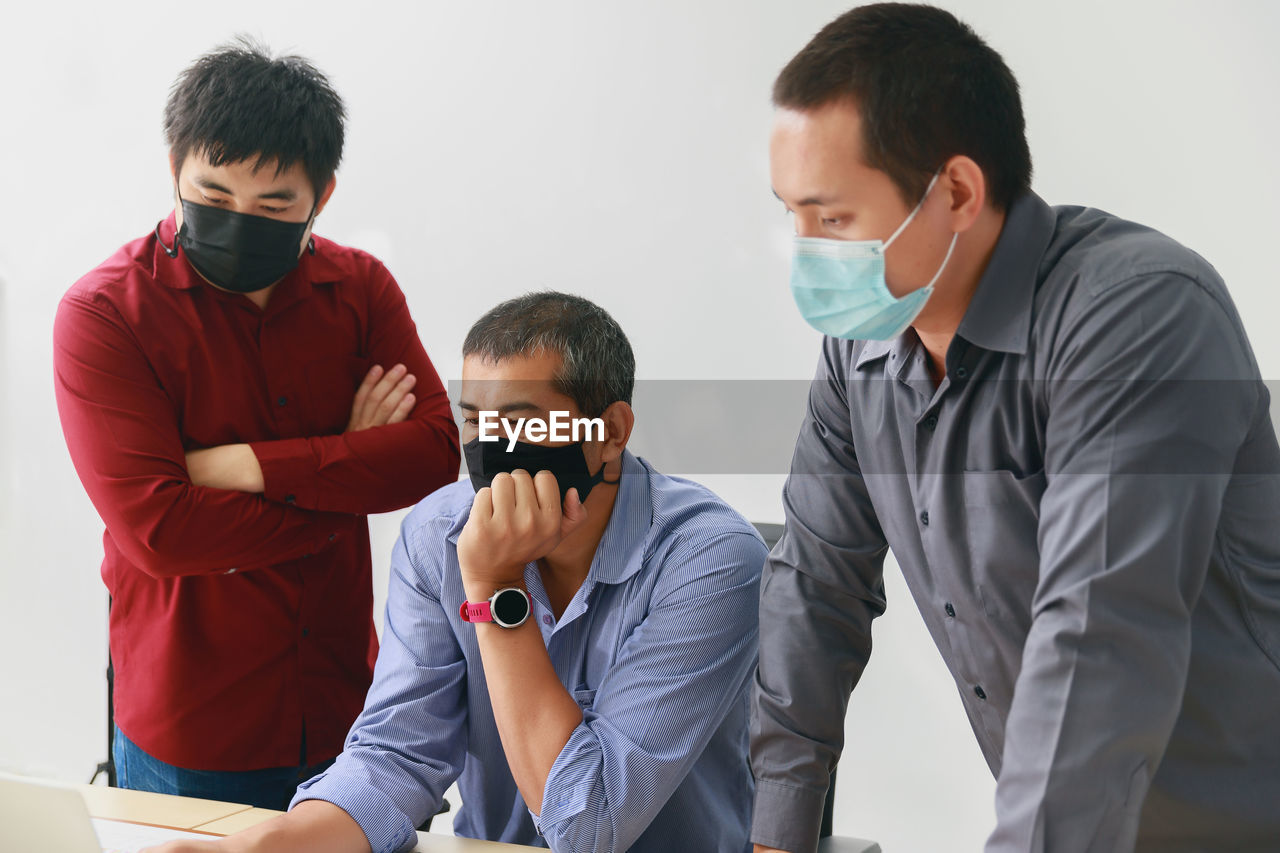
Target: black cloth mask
x=566 y=461
x=239 y=252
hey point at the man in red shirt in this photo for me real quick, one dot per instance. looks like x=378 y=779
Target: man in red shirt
x=237 y=394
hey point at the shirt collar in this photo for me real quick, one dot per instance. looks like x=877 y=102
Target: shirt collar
x=999 y=315
x=620 y=553
x=871 y=351
x=177 y=273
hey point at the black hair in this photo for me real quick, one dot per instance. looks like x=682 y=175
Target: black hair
x=239 y=102
x=926 y=88
x=598 y=367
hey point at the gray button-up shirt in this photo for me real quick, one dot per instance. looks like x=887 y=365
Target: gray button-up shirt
x=1087 y=512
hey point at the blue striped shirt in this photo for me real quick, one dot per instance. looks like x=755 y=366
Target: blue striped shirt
x=658 y=647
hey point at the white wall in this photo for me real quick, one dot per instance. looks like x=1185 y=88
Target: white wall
x=614 y=150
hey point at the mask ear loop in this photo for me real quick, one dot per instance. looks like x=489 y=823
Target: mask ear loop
x=173 y=253
x=947 y=257
x=598 y=477
x=311 y=239
x=920 y=204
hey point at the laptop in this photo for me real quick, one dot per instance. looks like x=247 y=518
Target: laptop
x=39 y=816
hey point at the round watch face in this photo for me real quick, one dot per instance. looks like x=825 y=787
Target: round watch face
x=510 y=607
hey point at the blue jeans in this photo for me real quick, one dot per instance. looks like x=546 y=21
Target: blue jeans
x=271 y=788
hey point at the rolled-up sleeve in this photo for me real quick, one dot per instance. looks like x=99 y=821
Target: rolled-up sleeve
x=821 y=589
x=1149 y=398
x=653 y=714
x=409 y=743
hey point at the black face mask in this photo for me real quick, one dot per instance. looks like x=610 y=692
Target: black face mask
x=567 y=462
x=238 y=251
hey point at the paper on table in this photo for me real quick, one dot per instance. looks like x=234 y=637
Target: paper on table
x=116 y=836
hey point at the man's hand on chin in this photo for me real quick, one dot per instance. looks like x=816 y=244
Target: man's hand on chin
x=513 y=522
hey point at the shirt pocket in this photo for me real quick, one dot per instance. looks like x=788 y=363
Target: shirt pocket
x=1002 y=522
x=331 y=388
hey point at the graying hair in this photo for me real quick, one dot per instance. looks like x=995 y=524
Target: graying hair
x=598 y=366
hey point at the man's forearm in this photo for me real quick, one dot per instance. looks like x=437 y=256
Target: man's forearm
x=534 y=713
x=229 y=466
x=379 y=469
x=313 y=826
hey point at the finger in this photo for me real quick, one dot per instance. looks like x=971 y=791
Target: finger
x=574 y=513
x=482 y=506
x=526 y=499
x=362 y=393
x=504 y=496
x=391 y=401
x=548 y=493
x=368 y=413
x=370 y=379
x=402 y=411
x=384 y=385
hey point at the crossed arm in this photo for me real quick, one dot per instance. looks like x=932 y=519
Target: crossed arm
x=384 y=397
x=166 y=509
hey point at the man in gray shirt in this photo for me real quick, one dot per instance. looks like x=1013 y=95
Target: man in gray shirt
x=1054 y=419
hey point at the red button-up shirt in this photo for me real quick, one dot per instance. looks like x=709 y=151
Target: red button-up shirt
x=239 y=620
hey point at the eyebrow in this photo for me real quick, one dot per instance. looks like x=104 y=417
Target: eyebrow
x=280 y=195
x=518 y=406
x=205 y=183
x=811 y=200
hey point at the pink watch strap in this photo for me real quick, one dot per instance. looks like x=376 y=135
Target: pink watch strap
x=475 y=611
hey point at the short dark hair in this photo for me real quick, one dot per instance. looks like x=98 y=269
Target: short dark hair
x=598 y=367
x=926 y=87
x=239 y=101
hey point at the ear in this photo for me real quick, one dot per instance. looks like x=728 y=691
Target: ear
x=324 y=196
x=965 y=187
x=619 y=419
x=177 y=205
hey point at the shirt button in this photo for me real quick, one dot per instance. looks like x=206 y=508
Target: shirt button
x=931 y=422
x=232 y=571
x=951 y=611
x=332 y=536
x=924 y=518
x=306 y=632
x=962 y=372
x=290 y=499
x=546 y=619
x=284 y=401
x=979 y=692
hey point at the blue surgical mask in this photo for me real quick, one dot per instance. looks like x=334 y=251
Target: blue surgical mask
x=840 y=289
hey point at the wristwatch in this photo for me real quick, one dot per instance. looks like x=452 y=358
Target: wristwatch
x=508 y=608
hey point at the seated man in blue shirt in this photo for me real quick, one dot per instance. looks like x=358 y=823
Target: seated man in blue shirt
x=614 y=715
